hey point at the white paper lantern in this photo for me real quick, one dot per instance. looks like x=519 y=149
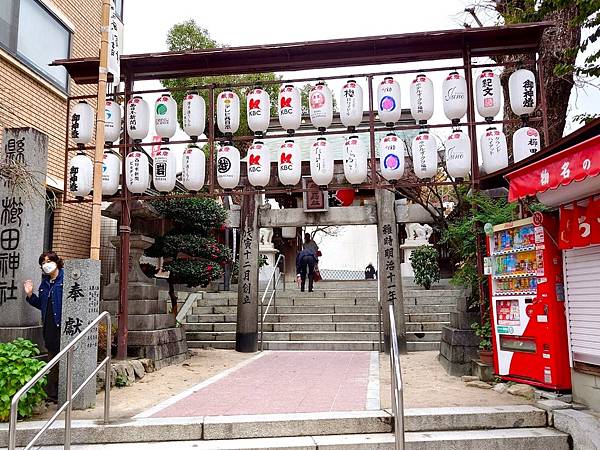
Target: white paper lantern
x=228 y=112
x=454 y=91
x=137 y=173
x=290 y=163
x=351 y=105
x=522 y=92
x=421 y=98
x=526 y=142
x=321 y=162
x=494 y=152
x=165 y=116
x=165 y=170
x=320 y=102
x=111 y=173
x=290 y=108
x=259 y=164
x=112 y=122
x=138 y=118
x=82 y=123
x=388 y=101
x=488 y=93
x=458 y=154
x=193 y=168
x=355 y=160
x=228 y=166
x=391 y=159
x=194 y=115
x=424 y=155
x=258 y=110
x=81 y=171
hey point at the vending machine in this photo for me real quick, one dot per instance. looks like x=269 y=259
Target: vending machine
x=529 y=326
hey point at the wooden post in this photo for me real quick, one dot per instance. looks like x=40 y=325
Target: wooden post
x=246 y=335
x=389 y=275
x=99 y=153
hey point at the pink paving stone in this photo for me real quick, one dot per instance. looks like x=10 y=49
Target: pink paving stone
x=283 y=382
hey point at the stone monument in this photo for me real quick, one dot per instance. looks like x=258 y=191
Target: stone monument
x=151 y=329
x=417 y=236
x=81 y=306
x=266 y=250
x=21 y=231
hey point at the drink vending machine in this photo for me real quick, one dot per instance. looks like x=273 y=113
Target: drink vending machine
x=529 y=326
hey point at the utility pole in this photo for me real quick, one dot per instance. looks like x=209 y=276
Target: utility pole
x=99 y=152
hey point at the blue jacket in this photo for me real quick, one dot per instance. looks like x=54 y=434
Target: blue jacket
x=40 y=301
x=301 y=255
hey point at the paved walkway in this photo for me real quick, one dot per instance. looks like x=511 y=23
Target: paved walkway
x=283 y=382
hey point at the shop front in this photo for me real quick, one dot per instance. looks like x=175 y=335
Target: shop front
x=569 y=181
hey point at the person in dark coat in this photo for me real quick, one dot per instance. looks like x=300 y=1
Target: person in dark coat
x=49 y=302
x=370 y=272
x=305 y=265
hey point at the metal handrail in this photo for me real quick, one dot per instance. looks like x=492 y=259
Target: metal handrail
x=397 y=385
x=379 y=312
x=67 y=407
x=273 y=297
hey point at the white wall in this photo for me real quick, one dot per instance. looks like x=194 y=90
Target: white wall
x=352 y=249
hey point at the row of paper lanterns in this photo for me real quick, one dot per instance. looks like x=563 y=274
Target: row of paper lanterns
x=522 y=90
x=258 y=165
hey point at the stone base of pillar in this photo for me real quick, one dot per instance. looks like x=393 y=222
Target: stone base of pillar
x=33 y=333
x=165 y=347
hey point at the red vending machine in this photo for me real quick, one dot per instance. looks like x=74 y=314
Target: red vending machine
x=529 y=326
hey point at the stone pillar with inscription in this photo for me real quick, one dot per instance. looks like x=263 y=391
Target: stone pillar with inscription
x=246 y=335
x=23 y=203
x=81 y=306
x=390 y=278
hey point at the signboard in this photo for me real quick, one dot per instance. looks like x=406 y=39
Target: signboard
x=314 y=199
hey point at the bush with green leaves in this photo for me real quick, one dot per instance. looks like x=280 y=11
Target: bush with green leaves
x=424 y=261
x=18 y=365
x=484 y=333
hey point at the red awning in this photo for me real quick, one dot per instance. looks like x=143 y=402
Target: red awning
x=574 y=164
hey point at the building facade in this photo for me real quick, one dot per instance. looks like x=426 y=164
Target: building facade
x=33 y=33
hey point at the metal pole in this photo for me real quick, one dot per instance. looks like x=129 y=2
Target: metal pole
x=69 y=397
x=211 y=142
x=261 y=324
x=99 y=153
x=107 y=370
x=372 y=133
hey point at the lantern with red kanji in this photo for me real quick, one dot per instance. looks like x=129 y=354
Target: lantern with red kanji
x=321 y=162
x=111 y=173
x=165 y=116
x=228 y=112
x=289 y=108
x=193 y=168
x=351 y=105
x=454 y=91
x=355 y=160
x=522 y=92
x=391 y=159
x=259 y=164
x=138 y=118
x=388 y=101
x=258 y=110
x=526 y=142
x=112 y=122
x=421 y=98
x=290 y=163
x=488 y=94
x=458 y=154
x=137 y=175
x=228 y=166
x=165 y=170
x=320 y=103
x=194 y=115
x=424 y=155
x=494 y=151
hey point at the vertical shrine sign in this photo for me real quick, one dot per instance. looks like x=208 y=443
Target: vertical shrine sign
x=389 y=276
x=246 y=335
x=81 y=306
x=21 y=230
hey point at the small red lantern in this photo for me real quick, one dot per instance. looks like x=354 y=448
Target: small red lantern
x=345 y=196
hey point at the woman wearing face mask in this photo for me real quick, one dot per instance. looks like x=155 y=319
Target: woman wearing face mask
x=49 y=302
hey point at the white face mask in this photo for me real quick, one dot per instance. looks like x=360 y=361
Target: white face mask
x=49 y=267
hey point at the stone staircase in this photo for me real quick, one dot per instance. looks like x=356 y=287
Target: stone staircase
x=337 y=316
x=481 y=428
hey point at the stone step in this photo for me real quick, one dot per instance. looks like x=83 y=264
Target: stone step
x=316 y=326
x=303 y=335
x=418 y=321
x=280 y=318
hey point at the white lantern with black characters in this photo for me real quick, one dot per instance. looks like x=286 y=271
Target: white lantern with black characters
x=526 y=142
x=494 y=151
x=165 y=170
x=165 y=116
x=290 y=108
x=228 y=166
x=391 y=159
x=258 y=110
x=355 y=160
x=488 y=94
x=112 y=122
x=320 y=103
x=81 y=171
x=321 y=162
x=522 y=92
x=194 y=115
x=82 y=123
x=111 y=173
x=137 y=174
x=351 y=105
x=454 y=90
x=388 y=101
x=290 y=164
x=424 y=155
x=138 y=118
x=259 y=164
x=458 y=154
x=421 y=98
x=193 y=168
x=228 y=112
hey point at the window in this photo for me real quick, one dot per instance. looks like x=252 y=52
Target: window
x=119 y=9
x=22 y=25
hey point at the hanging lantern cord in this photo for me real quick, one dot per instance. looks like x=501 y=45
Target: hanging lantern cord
x=455 y=122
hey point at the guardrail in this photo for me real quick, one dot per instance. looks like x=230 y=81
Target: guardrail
x=67 y=407
x=276 y=275
x=397 y=385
